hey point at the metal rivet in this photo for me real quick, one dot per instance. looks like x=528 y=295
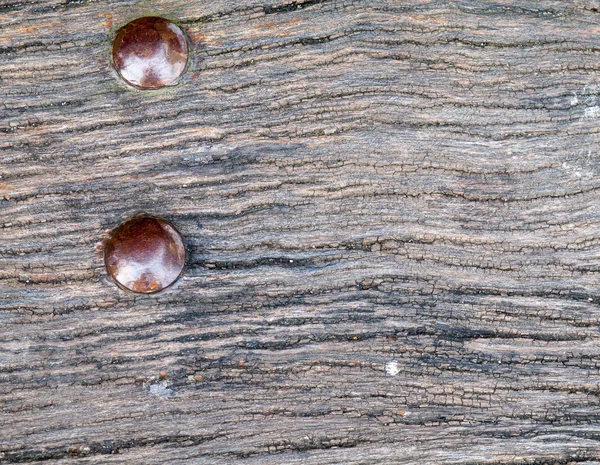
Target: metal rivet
x=150 y=52
x=145 y=255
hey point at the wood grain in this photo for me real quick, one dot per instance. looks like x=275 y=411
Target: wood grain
x=392 y=222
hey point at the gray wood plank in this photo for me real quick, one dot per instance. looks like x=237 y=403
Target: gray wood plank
x=392 y=223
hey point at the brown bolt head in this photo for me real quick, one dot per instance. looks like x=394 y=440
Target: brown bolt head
x=145 y=255
x=150 y=52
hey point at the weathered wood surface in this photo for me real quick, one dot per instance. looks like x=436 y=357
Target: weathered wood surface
x=392 y=216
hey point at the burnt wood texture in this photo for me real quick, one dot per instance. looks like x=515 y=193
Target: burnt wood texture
x=391 y=212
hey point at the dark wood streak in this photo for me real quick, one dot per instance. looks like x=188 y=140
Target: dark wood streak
x=391 y=218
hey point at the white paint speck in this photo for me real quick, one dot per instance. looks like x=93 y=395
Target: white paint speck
x=161 y=389
x=392 y=368
x=574 y=99
x=592 y=112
